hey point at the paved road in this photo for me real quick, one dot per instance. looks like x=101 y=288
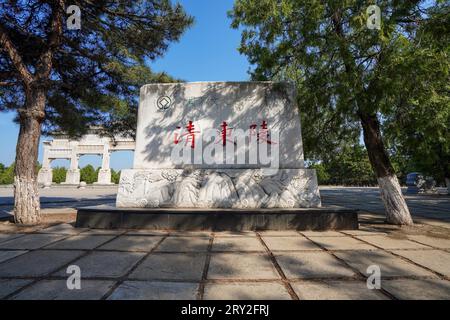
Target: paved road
x=433 y=206
x=366 y=199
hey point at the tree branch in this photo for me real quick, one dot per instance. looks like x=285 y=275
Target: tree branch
x=15 y=57
x=7 y=84
x=44 y=65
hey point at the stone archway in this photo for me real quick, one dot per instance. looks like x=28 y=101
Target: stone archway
x=62 y=147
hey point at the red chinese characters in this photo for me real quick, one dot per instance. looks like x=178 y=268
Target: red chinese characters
x=225 y=133
x=189 y=135
x=263 y=134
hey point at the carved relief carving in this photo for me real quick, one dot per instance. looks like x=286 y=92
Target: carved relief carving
x=228 y=188
x=169 y=175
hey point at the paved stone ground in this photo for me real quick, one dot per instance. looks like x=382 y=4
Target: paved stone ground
x=139 y=264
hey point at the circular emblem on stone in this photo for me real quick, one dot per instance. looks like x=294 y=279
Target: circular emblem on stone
x=163 y=103
x=239 y=107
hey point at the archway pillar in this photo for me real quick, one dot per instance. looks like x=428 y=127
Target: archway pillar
x=45 y=174
x=73 y=174
x=104 y=174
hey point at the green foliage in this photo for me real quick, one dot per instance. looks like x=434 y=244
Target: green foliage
x=350 y=167
x=88 y=174
x=59 y=174
x=342 y=69
x=323 y=176
x=418 y=131
x=97 y=71
x=7 y=174
x=115 y=176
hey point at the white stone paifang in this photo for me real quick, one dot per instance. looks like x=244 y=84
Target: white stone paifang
x=218 y=145
x=61 y=147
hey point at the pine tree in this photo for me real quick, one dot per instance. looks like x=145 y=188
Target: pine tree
x=62 y=79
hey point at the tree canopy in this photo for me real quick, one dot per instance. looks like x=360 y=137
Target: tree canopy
x=64 y=79
x=418 y=128
x=351 y=77
x=97 y=70
x=296 y=40
x=400 y=72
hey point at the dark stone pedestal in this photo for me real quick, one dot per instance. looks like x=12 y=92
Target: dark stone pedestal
x=325 y=218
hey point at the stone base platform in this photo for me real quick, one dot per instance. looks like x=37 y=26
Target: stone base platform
x=109 y=217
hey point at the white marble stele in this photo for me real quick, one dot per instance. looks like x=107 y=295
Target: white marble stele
x=165 y=110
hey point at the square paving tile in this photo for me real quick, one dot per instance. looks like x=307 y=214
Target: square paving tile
x=105 y=264
x=431 y=241
x=37 y=263
x=246 y=291
x=10 y=285
x=341 y=243
x=9 y=236
x=31 y=241
x=153 y=290
x=284 y=233
x=388 y=243
x=220 y=234
x=322 y=234
x=85 y=242
x=436 y=260
x=406 y=289
x=289 y=243
x=6 y=255
x=336 y=290
x=62 y=228
x=104 y=232
x=390 y=265
x=170 y=266
x=57 y=290
x=132 y=243
x=241 y=266
x=184 y=244
x=144 y=232
x=364 y=232
x=312 y=264
x=190 y=234
x=237 y=244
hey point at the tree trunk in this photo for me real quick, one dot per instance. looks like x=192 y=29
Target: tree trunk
x=397 y=211
x=447 y=183
x=26 y=195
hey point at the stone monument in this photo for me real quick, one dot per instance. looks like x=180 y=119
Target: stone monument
x=231 y=145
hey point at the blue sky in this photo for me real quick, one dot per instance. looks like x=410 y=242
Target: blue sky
x=206 y=52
